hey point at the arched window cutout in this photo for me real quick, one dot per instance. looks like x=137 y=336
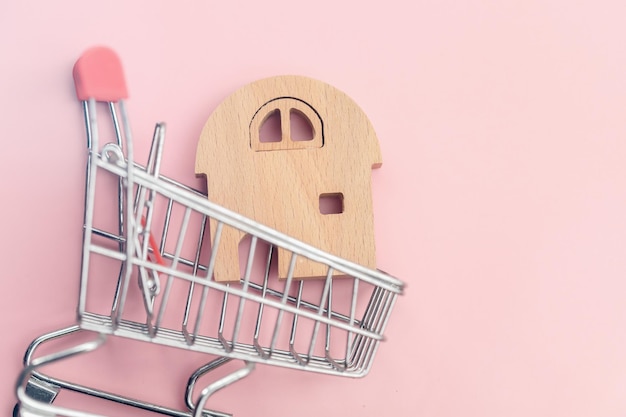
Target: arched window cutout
x=286 y=123
x=301 y=126
x=270 y=130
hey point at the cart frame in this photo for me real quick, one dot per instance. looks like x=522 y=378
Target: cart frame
x=278 y=308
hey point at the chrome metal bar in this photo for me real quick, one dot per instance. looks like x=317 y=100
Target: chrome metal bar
x=195 y=266
x=259 y=316
x=129 y=174
x=209 y=274
x=120 y=184
x=166 y=225
x=116 y=123
x=292 y=265
x=220 y=384
x=193 y=379
x=170 y=278
x=353 y=304
x=246 y=281
x=90 y=114
x=294 y=325
x=320 y=310
x=329 y=309
x=220 y=331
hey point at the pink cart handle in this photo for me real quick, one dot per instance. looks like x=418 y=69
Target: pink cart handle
x=98 y=74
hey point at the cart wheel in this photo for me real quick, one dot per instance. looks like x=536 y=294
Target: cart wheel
x=16 y=410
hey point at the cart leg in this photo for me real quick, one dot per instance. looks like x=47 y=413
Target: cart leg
x=34 y=391
x=40 y=391
x=197 y=408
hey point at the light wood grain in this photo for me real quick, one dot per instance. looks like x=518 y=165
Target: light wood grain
x=279 y=183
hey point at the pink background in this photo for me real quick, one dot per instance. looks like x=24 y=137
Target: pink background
x=501 y=200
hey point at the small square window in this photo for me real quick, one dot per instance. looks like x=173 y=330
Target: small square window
x=331 y=203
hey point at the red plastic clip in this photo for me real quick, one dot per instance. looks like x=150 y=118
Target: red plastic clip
x=153 y=245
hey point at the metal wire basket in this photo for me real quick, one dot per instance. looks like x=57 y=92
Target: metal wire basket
x=147 y=265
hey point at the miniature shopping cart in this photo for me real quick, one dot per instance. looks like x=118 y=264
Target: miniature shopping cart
x=147 y=267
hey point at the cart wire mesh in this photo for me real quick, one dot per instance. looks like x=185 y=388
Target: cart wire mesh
x=147 y=271
x=277 y=308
